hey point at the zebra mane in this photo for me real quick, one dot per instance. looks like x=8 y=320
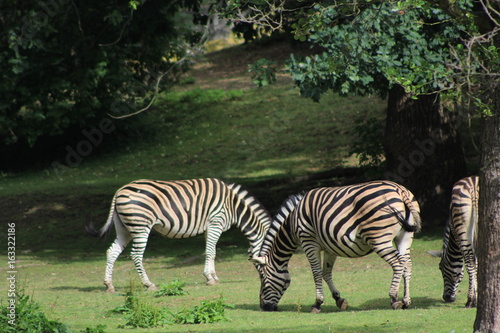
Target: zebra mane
x=252 y=202
x=279 y=218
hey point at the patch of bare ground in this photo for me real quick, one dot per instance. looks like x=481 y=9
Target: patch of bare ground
x=228 y=68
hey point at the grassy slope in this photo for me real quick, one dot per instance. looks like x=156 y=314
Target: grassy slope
x=269 y=139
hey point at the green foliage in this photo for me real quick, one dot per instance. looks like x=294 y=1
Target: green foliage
x=174 y=288
x=66 y=65
x=371 y=46
x=29 y=318
x=263 y=72
x=206 y=312
x=367 y=145
x=139 y=313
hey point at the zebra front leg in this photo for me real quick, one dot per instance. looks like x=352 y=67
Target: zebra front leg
x=328 y=262
x=212 y=237
x=139 y=243
x=313 y=254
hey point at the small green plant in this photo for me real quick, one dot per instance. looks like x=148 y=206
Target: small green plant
x=28 y=318
x=139 y=313
x=174 y=288
x=97 y=329
x=263 y=72
x=206 y=312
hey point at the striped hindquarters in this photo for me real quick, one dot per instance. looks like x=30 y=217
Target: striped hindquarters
x=464 y=209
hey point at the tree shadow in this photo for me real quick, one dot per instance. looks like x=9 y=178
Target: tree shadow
x=82 y=289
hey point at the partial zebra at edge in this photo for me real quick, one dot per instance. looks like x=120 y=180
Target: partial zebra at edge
x=459 y=240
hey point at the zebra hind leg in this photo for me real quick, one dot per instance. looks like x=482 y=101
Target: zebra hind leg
x=139 y=243
x=122 y=239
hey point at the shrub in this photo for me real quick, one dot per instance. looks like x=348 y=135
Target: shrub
x=174 y=288
x=138 y=313
x=29 y=318
x=206 y=312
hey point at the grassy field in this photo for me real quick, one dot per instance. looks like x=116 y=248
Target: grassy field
x=270 y=140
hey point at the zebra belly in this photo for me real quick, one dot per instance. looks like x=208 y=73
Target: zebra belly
x=176 y=230
x=346 y=247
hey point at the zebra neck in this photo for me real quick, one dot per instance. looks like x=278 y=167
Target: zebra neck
x=283 y=247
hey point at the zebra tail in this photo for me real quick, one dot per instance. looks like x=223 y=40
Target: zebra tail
x=106 y=229
x=413 y=222
x=410 y=221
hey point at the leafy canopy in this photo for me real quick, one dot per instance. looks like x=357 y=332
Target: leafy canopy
x=369 y=46
x=66 y=64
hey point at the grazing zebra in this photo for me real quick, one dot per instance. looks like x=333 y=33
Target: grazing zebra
x=348 y=221
x=459 y=239
x=180 y=209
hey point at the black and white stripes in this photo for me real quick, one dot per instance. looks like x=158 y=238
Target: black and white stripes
x=459 y=240
x=181 y=209
x=349 y=221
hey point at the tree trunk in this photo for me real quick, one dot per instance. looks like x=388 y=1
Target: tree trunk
x=423 y=151
x=488 y=246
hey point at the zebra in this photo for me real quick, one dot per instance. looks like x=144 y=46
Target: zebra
x=348 y=221
x=460 y=237
x=180 y=209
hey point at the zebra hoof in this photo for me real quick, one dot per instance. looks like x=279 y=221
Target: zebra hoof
x=315 y=310
x=153 y=287
x=397 y=305
x=471 y=304
x=109 y=287
x=342 y=304
x=212 y=282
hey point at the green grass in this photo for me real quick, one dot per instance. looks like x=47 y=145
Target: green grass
x=270 y=140
x=70 y=290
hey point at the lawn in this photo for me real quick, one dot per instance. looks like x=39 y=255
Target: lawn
x=270 y=140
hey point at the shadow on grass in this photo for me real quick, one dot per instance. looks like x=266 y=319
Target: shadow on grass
x=82 y=289
x=373 y=304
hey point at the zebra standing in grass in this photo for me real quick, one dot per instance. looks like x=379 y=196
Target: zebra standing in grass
x=348 y=221
x=180 y=209
x=459 y=240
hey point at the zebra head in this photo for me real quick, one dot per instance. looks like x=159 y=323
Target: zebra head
x=452 y=275
x=273 y=285
x=272 y=262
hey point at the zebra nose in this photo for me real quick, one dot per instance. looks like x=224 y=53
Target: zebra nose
x=266 y=306
x=449 y=298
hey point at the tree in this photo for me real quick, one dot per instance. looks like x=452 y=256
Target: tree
x=378 y=48
x=65 y=65
x=465 y=63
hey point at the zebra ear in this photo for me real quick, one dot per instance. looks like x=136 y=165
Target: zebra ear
x=258 y=260
x=436 y=253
